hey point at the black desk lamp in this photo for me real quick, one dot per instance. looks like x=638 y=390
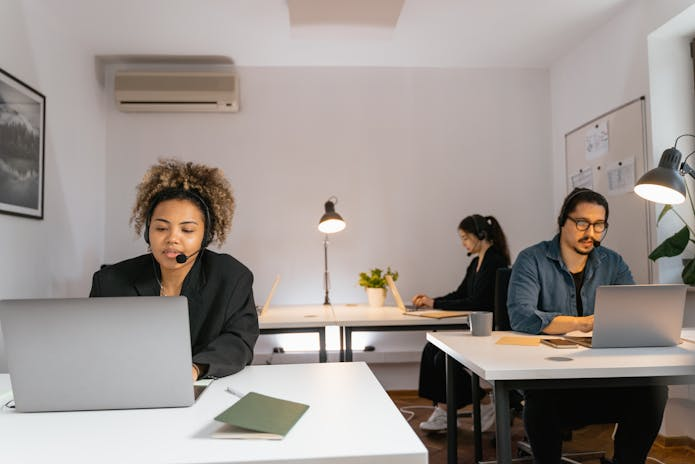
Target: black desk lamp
x=330 y=223
x=665 y=183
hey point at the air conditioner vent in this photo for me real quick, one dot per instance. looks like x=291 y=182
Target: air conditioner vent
x=177 y=91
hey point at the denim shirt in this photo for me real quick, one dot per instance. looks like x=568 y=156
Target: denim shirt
x=541 y=287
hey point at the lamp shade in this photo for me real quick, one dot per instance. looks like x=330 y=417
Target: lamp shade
x=665 y=183
x=331 y=222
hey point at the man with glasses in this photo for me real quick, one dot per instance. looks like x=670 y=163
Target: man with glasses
x=552 y=291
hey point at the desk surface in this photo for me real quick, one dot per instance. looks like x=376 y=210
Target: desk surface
x=282 y=317
x=510 y=362
x=365 y=316
x=351 y=419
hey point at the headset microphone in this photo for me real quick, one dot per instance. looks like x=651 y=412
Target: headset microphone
x=181 y=258
x=597 y=243
x=469 y=254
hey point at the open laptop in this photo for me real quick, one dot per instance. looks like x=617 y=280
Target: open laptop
x=98 y=353
x=433 y=313
x=632 y=316
x=266 y=305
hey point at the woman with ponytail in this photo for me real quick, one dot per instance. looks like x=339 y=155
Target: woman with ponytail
x=483 y=237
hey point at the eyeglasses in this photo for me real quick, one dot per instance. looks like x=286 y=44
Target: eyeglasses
x=583 y=225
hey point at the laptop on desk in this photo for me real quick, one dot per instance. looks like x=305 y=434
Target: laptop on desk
x=98 y=353
x=431 y=313
x=266 y=305
x=633 y=316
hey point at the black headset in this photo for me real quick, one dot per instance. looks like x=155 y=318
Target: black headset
x=480 y=232
x=166 y=194
x=564 y=212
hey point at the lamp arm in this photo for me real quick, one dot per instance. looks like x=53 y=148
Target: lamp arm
x=685 y=167
x=682 y=135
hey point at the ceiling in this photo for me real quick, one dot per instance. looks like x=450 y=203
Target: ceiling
x=423 y=33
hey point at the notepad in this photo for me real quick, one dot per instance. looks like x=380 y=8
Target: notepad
x=257 y=416
x=519 y=341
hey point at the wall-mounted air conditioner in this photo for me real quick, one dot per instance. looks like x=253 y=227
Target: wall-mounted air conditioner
x=177 y=91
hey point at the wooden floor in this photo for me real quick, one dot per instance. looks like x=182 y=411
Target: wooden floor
x=596 y=437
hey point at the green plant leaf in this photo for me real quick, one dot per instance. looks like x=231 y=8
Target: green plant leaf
x=665 y=210
x=375 y=279
x=688 y=273
x=672 y=246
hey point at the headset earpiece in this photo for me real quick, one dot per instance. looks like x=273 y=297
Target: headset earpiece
x=480 y=232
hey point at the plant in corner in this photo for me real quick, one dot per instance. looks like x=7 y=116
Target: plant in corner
x=375 y=285
x=676 y=243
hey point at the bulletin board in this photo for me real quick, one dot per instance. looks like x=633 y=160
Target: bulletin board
x=608 y=154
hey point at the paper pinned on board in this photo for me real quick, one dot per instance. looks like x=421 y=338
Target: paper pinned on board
x=621 y=176
x=596 y=141
x=584 y=178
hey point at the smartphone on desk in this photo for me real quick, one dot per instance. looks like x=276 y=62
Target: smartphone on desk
x=559 y=343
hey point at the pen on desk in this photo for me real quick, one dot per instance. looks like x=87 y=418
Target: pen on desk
x=236 y=393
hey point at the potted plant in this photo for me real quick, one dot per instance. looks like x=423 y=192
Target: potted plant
x=375 y=285
x=676 y=244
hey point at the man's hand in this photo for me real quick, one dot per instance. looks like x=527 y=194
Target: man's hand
x=196 y=372
x=564 y=324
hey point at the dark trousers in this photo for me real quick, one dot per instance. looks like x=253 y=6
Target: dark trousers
x=637 y=410
x=433 y=378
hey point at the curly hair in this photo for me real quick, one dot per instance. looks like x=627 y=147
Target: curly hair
x=171 y=178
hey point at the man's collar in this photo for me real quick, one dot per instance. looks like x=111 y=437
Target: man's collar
x=553 y=253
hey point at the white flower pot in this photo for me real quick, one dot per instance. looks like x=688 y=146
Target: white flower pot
x=376 y=297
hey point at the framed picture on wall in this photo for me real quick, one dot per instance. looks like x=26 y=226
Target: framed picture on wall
x=22 y=134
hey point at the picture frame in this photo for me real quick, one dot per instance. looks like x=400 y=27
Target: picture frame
x=22 y=148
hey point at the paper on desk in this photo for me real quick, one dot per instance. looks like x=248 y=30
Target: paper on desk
x=520 y=341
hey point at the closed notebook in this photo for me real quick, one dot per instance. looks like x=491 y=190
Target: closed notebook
x=259 y=416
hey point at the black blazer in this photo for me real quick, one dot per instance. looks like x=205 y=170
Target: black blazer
x=221 y=310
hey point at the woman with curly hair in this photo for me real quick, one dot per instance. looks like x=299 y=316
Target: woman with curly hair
x=180 y=209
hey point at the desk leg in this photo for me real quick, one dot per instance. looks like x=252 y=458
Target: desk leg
x=502 y=419
x=342 y=343
x=477 y=433
x=348 y=344
x=451 y=426
x=323 y=355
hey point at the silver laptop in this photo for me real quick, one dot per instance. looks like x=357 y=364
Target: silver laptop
x=631 y=316
x=98 y=353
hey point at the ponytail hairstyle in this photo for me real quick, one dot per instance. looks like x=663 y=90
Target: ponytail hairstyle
x=487 y=228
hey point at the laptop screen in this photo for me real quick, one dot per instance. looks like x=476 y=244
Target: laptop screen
x=98 y=353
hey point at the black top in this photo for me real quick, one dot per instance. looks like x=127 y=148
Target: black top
x=578 y=278
x=221 y=310
x=477 y=291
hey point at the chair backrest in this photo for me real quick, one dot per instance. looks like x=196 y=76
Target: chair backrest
x=501 y=317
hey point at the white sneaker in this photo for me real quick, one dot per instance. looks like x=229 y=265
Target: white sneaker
x=487 y=416
x=436 y=422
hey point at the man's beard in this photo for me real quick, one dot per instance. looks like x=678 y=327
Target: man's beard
x=584 y=252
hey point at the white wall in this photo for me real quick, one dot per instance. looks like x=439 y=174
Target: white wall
x=612 y=67
x=56 y=256
x=408 y=153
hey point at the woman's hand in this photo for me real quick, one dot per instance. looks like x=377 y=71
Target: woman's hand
x=423 y=301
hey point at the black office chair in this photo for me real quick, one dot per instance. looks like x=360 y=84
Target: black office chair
x=501 y=322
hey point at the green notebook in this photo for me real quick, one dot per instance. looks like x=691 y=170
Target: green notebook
x=259 y=416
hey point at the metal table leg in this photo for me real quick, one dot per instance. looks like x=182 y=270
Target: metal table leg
x=451 y=426
x=502 y=418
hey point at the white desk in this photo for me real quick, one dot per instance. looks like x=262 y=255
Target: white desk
x=361 y=318
x=509 y=367
x=297 y=319
x=350 y=420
